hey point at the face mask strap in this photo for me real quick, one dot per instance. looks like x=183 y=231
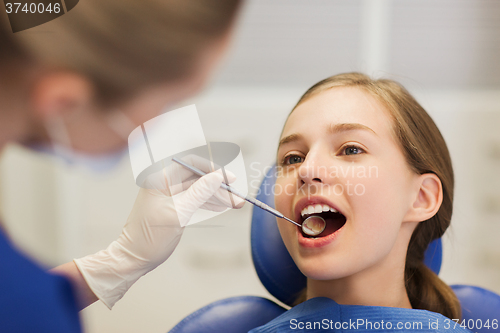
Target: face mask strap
x=59 y=138
x=121 y=124
x=57 y=132
x=62 y=148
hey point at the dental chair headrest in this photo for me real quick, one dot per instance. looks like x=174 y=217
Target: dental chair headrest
x=274 y=265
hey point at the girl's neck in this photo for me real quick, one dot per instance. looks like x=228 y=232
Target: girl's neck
x=362 y=289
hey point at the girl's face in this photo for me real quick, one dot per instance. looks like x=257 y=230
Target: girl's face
x=339 y=159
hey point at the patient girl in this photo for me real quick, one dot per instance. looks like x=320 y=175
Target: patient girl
x=365 y=156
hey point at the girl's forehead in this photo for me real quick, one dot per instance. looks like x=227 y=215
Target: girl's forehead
x=340 y=105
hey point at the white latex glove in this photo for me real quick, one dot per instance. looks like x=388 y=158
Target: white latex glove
x=154 y=227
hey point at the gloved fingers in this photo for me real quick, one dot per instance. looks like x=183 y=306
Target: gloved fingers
x=202 y=190
x=221 y=197
x=204 y=165
x=155 y=181
x=179 y=173
x=201 y=163
x=175 y=174
x=196 y=196
x=188 y=182
x=175 y=178
x=170 y=180
x=227 y=199
x=213 y=207
x=185 y=184
x=229 y=177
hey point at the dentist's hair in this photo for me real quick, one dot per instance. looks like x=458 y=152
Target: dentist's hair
x=121 y=46
x=426 y=152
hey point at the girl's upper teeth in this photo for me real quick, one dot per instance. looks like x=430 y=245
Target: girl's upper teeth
x=312 y=209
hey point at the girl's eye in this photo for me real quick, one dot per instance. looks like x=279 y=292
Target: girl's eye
x=352 y=150
x=292 y=159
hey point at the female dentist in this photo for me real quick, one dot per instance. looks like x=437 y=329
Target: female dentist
x=78 y=85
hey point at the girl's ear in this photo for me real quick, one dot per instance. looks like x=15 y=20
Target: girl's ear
x=428 y=200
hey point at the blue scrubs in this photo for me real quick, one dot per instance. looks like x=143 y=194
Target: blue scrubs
x=32 y=300
x=325 y=315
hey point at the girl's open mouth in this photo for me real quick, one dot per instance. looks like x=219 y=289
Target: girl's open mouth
x=334 y=223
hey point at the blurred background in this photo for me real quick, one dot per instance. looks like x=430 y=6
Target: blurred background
x=446 y=52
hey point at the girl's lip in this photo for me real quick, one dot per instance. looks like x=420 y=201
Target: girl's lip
x=317 y=242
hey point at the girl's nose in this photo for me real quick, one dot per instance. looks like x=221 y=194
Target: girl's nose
x=312 y=171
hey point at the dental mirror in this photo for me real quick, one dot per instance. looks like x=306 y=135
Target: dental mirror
x=313 y=225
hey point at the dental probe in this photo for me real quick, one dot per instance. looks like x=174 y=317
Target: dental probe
x=253 y=201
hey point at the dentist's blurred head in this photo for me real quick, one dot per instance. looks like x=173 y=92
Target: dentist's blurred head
x=105 y=62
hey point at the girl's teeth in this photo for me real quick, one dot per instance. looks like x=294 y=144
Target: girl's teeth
x=317 y=209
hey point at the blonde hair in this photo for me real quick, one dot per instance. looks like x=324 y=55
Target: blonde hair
x=124 y=45
x=426 y=152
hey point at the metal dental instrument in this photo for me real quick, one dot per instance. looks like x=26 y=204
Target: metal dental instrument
x=253 y=201
x=314 y=225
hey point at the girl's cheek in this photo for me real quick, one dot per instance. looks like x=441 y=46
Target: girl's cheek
x=279 y=196
x=283 y=192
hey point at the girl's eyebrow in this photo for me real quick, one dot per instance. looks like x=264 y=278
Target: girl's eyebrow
x=333 y=129
x=290 y=138
x=336 y=128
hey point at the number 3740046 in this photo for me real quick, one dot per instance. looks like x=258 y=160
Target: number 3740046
x=19 y=7
x=472 y=324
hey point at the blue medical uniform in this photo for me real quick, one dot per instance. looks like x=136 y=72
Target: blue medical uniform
x=325 y=315
x=32 y=300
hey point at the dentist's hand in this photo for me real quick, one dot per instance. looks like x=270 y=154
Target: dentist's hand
x=155 y=226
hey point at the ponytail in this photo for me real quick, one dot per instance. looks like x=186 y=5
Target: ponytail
x=427 y=291
x=424 y=288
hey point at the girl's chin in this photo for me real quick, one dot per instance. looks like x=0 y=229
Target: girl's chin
x=318 y=271
x=323 y=276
